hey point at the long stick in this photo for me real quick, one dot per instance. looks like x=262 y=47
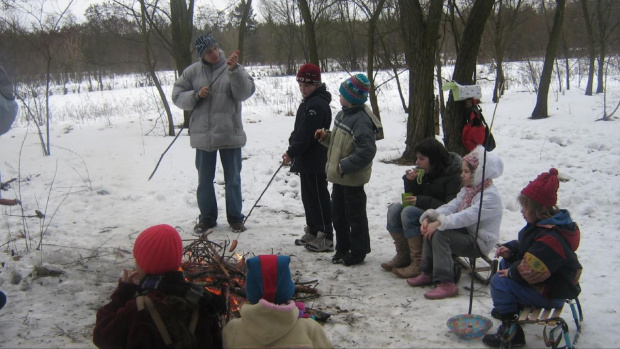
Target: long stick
x=181 y=130
x=261 y=195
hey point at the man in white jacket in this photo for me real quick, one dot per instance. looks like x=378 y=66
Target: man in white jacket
x=213 y=89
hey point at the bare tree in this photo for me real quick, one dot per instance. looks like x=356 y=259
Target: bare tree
x=47 y=27
x=591 y=46
x=608 y=21
x=540 y=110
x=420 y=28
x=242 y=26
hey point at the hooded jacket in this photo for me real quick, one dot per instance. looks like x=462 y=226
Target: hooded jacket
x=492 y=208
x=314 y=113
x=544 y=257
x=216 y=119
x=351 y=146
x=120 y=324
x=437 y=189
x=265 y=324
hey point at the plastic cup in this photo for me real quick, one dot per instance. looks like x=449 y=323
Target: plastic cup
x=403 y=196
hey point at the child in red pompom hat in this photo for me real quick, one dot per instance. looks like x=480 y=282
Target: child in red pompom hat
x=153 y=306
x=540 y=268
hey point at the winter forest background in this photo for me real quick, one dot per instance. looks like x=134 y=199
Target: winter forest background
x=95 y=116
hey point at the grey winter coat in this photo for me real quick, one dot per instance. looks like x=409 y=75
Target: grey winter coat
x=351 y=145
x=216 y=120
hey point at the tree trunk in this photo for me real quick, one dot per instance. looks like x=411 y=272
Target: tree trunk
x=540 y=110
x=370 y=71
x=420 y=32
x=464 y=70
x=242 y=26
x=310 y=34
x=181 y=24
x=591 y=48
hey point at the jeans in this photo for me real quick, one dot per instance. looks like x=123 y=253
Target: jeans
x=207 y=202
x=350 y=220
x=404 y=220
x=437 y=254
x=507 y=294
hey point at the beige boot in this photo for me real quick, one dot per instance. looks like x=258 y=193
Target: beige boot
x=413 y=269
x=402 y=253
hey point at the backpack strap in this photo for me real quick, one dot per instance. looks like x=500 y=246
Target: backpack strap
x=145 y=300
x=193 y=322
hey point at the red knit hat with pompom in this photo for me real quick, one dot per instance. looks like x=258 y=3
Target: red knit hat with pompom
x=544 y=189
x=158 y=249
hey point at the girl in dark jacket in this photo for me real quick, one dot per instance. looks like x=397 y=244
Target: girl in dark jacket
x=540 y=268
x=435 y=181
x=153 y=306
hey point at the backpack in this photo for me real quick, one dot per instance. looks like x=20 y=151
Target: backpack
x=8 y=105
x=475 y=129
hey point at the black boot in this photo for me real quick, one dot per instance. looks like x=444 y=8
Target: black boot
x=516 y=338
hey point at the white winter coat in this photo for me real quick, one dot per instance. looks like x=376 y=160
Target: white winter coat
x=492 y=208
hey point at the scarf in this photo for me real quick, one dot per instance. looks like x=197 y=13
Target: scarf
x=470 y=192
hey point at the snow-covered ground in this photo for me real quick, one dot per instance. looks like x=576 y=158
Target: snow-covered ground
x=96 y=197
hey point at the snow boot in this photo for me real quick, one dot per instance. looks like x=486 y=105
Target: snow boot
x=443 y=290
x=413 y=269
x=506 y=333
x=402 y=253
x=423 y=279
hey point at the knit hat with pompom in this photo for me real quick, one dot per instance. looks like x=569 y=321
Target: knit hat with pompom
x=544 y=189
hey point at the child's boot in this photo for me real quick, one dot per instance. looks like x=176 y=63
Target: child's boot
x=508 y=331
x=443 y=290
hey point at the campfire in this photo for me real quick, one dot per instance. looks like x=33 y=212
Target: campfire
x=220 y=270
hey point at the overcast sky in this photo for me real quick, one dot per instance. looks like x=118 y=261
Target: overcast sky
x=79 y=6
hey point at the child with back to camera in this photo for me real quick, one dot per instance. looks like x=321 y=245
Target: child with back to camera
x=272 y=319
x=153 y=306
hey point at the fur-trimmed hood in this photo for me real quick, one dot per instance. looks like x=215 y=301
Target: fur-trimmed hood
x=493 y=168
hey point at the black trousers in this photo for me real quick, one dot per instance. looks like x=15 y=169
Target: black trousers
x=317 y=205
x=350 y=220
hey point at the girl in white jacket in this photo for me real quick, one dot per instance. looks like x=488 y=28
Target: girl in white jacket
x=451 y=228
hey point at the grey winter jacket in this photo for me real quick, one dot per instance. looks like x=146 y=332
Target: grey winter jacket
x=216 y=120
x=351 y=145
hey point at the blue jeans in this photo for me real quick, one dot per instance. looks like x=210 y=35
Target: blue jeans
x=507 y=294
x=404 y=220
x=207 y=202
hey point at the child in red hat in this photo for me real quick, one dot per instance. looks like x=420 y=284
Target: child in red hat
x=540 y=268
x=153 y=306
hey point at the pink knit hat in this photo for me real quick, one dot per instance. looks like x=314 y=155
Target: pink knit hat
x=158 y=249
x=544 y=189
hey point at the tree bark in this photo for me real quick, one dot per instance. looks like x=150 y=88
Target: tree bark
x=420 y=31
x=310 y=34
x=540 y=110
x=242 y=26
x=591 y=48
x=464 y=70
x=372 y=26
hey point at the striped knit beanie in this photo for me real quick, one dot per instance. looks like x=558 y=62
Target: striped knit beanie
x=268 y=277
x=310 y=74
x=355 y=89
x=158 y=250
x=203 y=43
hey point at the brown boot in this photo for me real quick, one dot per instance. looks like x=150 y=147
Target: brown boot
x=402 y=253
x=413 y=269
